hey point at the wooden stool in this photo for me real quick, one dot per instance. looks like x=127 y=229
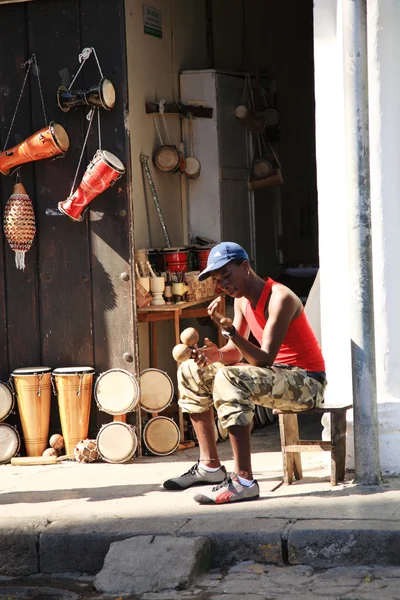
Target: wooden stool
x=292 y=445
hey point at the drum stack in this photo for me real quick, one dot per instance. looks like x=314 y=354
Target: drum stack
x=10 y=440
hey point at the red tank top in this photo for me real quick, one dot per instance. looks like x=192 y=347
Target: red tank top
x=300 y=346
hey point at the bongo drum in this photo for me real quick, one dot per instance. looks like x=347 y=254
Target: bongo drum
x=6 y=401
x=73 y=386
x=33 y=390
x=156 y=390
x=161 y=436
x=117 y=442
x=169 y=159
x=116 y=392
x=176 y=259
x=49 y=141
x=101 y=173
x=10 y=442
x=101 y=95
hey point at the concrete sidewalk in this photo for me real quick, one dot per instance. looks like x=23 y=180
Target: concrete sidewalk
x=62 y=518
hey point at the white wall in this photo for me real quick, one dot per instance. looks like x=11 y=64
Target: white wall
x=153 y=73
x=333 y=250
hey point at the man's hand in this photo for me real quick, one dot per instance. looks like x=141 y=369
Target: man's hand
x=213 y=310
x=207 y=354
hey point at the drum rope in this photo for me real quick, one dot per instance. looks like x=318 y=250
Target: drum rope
x=29 y=63
x=158 y=131
x=99 y=127
x=161 y=111
x=83 y=150
x=83 y=56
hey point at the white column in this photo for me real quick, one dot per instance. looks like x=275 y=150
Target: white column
x=333 y=248
x=383 y=28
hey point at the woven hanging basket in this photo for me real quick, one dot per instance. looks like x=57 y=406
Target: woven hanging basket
x=19 y=224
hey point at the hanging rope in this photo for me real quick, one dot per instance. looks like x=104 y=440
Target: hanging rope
x=29 y=62
x=161 y=111
x=83 y=56
x=83 y=150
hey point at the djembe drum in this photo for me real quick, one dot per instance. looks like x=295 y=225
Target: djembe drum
x=161 y=436
x=45 y=143
x=33 y=389
x=117 y=442
x=101 y=173
x=116 y=392
x=10 y=442
x=73 y=386
x=156 y=390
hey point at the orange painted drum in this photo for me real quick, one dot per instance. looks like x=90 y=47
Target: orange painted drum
x=45 y=143
x=73 y=386
x=102 y=172
x=202 y=253
x=33 y=389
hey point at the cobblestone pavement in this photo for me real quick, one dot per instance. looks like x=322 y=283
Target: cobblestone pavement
x=247 y=581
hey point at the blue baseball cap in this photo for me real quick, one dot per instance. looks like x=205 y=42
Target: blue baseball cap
x=220 y=255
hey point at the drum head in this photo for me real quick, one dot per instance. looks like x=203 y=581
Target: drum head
x=9 y=442
x=107 y=92
x=60 y=136
x=116 y=442
x=112 y=160
x=6 y=401
x=167 y=159
x=74 y=371
x=161 y=436
x=31 y=371
x=156 y=390
x=116 y=392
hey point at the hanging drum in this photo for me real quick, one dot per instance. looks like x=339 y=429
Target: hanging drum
x=169 y=159
x=116 y=392
x=10 y=442
x=264 y=172
x=49 y=141
x=33 y=389
x=116 y=442
x=156 y=390
x=102 y=172
x=101 y=95
x=161 y=436
x=6 y=401
x=73 y=386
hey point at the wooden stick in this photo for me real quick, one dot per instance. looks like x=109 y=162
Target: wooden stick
x=23 y=461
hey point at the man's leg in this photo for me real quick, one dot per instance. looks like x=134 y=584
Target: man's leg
x=195 y=391
x=239 y=436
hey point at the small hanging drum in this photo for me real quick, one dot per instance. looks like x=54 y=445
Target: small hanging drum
x=33 y=389
x=74 y=386
x=161 y=436
x=169 y=159
x=101 y=95
x=116 y=392
x=6 y=401
x=176 y=259
x=156 y=390
x=116 y=442
x=10 y=442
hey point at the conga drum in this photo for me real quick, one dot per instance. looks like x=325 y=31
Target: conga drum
x=45 y=143
x=6 y=401
x=10 y=442
x=101 y=95
x=33 y=390
x=116 y=442
x=161 y=436
x=156 y=390
x=73 y=386
x=116 y=392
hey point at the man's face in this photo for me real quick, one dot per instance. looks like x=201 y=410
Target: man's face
x=231 y=279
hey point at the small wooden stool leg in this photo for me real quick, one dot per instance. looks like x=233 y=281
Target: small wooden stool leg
x=289 y=431
x=338 y=441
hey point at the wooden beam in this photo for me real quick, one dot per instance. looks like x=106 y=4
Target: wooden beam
x=200 y=112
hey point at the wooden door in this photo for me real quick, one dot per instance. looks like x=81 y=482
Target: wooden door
x=73 y=304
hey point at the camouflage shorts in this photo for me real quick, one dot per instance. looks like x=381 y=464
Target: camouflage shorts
x=235 y=389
